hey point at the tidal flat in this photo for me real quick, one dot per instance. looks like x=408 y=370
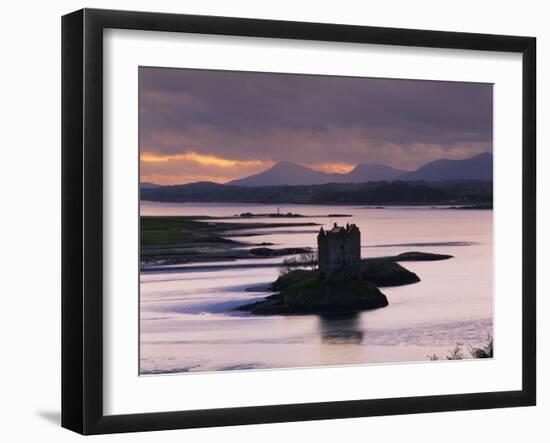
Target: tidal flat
x=172 y=240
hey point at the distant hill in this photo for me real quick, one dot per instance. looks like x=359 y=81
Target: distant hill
x=369 y=173
x=479 y=167
x=454 y=182
x=284 y=173
x=451 y=182
x=292 y=174
x=147 y=185
x=456 y=193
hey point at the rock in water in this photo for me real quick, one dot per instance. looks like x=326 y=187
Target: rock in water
x=387 y=273
x=268 y=252
x=305 y=291
x=316 y=296
x=419 y=256
x=380 y=272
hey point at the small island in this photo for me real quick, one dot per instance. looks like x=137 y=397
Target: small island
x=342 y=283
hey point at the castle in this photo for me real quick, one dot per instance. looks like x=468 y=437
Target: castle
x=339 y=250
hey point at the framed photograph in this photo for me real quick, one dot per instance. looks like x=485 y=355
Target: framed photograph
x=268 y=221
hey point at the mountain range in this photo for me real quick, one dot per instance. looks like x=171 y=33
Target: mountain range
x=287 y=173
x=479 y=167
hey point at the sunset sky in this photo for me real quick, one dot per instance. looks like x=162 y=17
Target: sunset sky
x=199 y=125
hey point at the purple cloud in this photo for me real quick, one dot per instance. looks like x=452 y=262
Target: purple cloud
x=310 y=119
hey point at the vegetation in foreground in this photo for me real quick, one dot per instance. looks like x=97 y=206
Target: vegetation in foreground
x=458 y=353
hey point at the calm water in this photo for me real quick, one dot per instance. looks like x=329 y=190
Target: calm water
x=187 y=321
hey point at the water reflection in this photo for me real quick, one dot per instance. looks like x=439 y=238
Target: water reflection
x=187 y=321
x=340 y=329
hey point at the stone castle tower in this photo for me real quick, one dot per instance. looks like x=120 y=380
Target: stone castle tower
x=339 y=250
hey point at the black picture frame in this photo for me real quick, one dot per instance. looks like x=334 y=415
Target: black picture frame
x=82 y=218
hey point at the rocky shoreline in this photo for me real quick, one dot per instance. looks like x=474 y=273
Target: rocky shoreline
x=315 y=296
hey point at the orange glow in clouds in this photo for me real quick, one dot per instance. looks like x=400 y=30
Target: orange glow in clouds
x=202 y=159
x=190 y=166
x=340 y=168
